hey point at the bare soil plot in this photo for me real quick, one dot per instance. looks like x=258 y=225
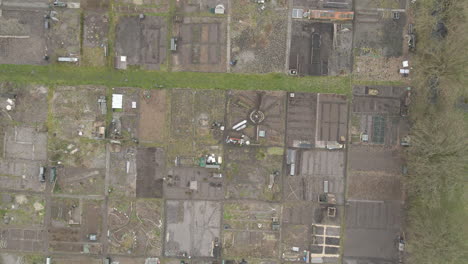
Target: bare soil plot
x=25 y=143
x=258 y=37
x=209 y=106
x=129 y=114
x=13 y=171
x=22 y=258
x=201 y=44
x=340 y=61
x=135 y=226
x=294 y=236
x=332 y=118
x=151 y=169
x=27 y=239
x=298 y=213
x=374 y=206
x=31 y=104
x=379 y=39
x=64 y=247
x=375 y=158
x=123 y=171
x=143 y=41
x=73 y=221
x=254 y=260
x=199 y=6
x=249 y=231
x=135 y=260
x=192 y=116
x=306 y=213
x=311 y=45
x=193 y=112
x=263 y=111
x=318 y=213
x=373 y=215
x=374 y=226
x=96 y=27
x=192 y=227
x=179 y=180
x=141 y=6
x=377 y=30
x=327 y=4
x=182 y=108
x=320 y=48
x=379 y=116
x=249 y=171
x=28 y=115
x=314 y=167
x=63 y=37
x=75 y=111
x=326 y=242
x=29 y=44
x=375 y=173
x=375 y=67
x=301 y=119
x=76 y=259
x=25 y=150
x=82 y=153
x=95 y=5
x=368 y=185
x=79 y=180
x=381 y=128
x=21 y=210
x=65 y=211
x=92 y=219
x=152 y=124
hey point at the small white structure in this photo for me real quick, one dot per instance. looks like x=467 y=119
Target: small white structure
x=404 y=72
x=240 y=124
x=262 y=133
x=117 y=101
x=297 y=13
x=325 y=186
x=67 y=59
x=219 y=10
x=133 y=105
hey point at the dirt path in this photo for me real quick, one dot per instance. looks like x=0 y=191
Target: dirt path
x=105 y=228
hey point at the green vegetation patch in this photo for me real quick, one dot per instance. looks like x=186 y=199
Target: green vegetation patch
x=438 y=155
x=275 y=151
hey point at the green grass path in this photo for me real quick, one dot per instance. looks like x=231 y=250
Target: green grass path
x=72 y=75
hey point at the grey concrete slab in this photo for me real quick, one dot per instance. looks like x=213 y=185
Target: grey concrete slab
x=191 y=227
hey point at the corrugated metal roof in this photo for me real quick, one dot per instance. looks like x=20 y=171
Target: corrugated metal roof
x=117 y=101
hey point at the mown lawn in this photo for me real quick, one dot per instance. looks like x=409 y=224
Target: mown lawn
x=72 y=75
